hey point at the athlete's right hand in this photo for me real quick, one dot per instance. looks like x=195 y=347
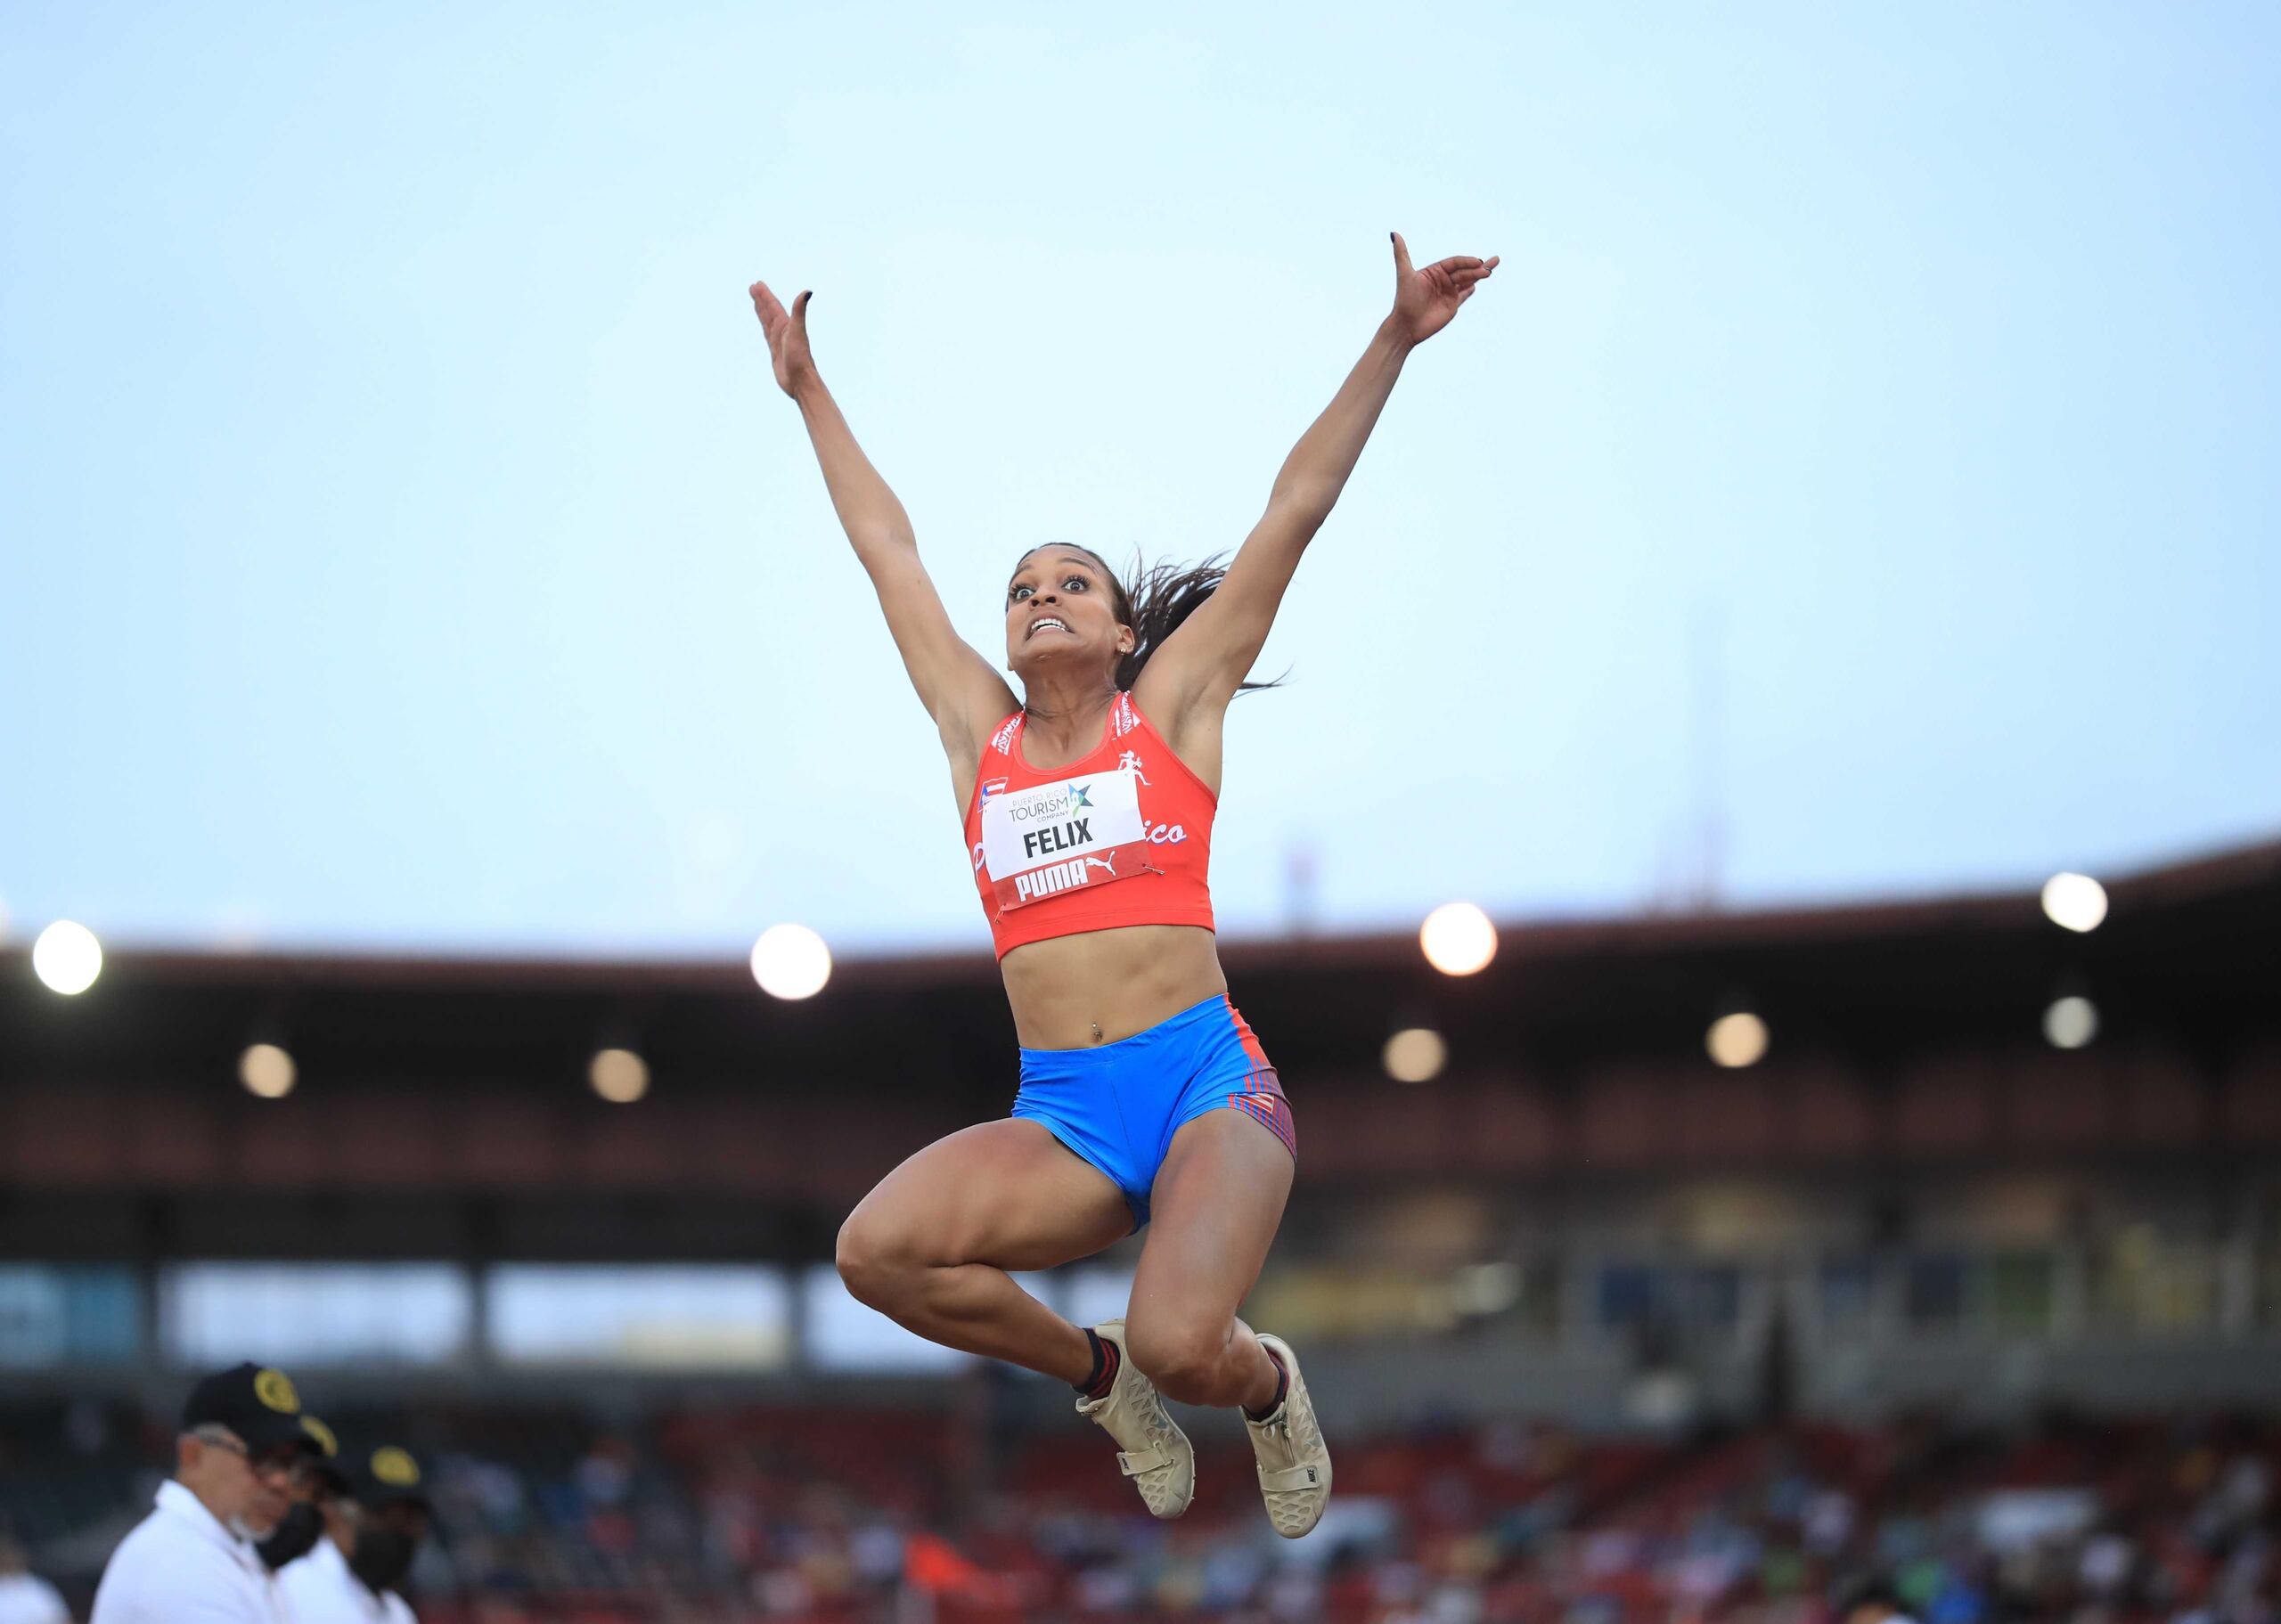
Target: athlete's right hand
x=786 y=334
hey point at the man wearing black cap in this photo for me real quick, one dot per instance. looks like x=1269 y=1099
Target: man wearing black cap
x=299 y=1530
x=371 y=1531
x=243 y=1445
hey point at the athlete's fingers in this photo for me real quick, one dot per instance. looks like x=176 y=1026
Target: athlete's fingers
x=765 y=304
x=800 y=309
x=1401 y=255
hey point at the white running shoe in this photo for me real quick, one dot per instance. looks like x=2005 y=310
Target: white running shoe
x=1151 y=1449
x=1294 y=1461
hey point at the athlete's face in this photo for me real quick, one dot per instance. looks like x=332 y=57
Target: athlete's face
x=1059 y=608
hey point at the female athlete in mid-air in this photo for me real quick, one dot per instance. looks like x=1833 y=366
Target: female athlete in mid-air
x=1089 y=810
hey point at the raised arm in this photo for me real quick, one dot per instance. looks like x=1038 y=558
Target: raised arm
x=960 y=689
x=1203 y=662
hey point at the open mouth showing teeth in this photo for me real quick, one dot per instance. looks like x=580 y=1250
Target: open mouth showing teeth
x=1037 y=626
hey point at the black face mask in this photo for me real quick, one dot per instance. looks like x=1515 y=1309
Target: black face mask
x=383 y=1556
x=295 y=1536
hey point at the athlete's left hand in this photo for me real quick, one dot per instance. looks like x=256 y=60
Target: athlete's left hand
x=1425 y=301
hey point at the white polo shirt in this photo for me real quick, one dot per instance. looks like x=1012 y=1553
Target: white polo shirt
x=181 y=1566
x=320 y=1589
x=25 y=1598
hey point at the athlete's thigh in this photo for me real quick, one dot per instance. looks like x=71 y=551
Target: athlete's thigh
x=1213 y=1214
x=1006 y=1193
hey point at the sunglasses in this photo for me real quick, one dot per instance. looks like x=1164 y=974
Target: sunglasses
x=291 y=1464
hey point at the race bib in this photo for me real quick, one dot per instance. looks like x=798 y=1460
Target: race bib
x=1079 y=831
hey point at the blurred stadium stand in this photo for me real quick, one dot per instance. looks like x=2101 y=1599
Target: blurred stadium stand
x=1600 y=1329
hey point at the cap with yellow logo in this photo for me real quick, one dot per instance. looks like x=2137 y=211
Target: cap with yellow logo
x=327 y=1444
x=389 y=1476
x=255 y=1403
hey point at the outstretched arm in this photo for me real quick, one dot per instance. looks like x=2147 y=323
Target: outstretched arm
x=960 y=689
x=1208 y=657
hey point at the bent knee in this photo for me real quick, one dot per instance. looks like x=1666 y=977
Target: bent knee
x=877 y=1260
x=1178 y=1358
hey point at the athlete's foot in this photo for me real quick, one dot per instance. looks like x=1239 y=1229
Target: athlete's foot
x=1294 y=1461
x=1151 y=1449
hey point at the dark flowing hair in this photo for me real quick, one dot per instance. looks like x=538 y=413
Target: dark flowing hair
x=1161 y=596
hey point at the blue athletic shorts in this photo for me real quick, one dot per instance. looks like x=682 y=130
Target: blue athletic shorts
x=1118 y=1104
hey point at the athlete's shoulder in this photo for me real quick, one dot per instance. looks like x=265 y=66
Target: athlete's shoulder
x=1200 y=741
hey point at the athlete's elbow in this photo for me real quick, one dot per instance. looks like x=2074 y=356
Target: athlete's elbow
x=883 y=546
x=1298 y=508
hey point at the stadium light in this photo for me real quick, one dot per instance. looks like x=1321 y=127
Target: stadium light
x=1486 y=1288
x=790 y=961
x=267 y=1071
x=2075 y=901
x=1416 y=1054
x=1737 y=1040
x=68 y=958
x=2071 y=1021
x=1457 y=939
x=619 y=1075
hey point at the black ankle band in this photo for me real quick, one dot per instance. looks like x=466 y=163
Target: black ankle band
x=1100 y=1363
x=1282 y=1386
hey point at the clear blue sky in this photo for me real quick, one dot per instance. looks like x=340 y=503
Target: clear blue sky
x=402 y=542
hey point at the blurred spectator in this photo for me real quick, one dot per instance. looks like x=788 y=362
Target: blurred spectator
x=25 y=1598
x=242 y=1446
x=372 y=1532
x=299 y=1530
x=1871 y=1601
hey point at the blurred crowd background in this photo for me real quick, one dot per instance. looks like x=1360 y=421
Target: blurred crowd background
x=1734 y=1266
x=868 y=1512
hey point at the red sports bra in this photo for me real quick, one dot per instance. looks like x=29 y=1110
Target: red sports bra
x=1120 y=837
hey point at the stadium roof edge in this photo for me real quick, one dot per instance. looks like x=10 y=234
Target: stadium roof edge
x=1977 y=913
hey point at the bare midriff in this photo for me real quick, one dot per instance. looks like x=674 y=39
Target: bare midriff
x=1103 y=986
